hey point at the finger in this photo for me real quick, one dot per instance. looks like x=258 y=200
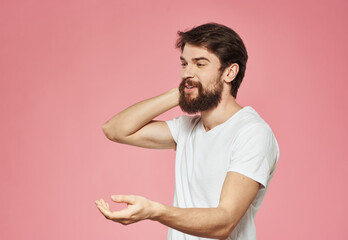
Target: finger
x=124 y=199
x=98 y=202
x=103 y=203
x=121 y=215
x=106 y=212
x=117 y=216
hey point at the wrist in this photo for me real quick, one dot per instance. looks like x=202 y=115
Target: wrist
x=157 y=210
x=174 y=95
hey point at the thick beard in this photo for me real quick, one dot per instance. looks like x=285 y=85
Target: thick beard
x=204 y=101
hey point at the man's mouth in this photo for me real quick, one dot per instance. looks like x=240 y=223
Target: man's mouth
x=189 y=85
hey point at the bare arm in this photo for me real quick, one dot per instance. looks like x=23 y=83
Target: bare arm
x=135 y=125
x=237 y=194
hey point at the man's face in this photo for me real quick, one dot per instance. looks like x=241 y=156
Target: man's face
x=201 y=85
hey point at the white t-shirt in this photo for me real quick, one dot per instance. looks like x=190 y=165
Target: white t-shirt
x=244 y=144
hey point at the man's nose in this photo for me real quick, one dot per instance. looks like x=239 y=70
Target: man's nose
x=188 y=72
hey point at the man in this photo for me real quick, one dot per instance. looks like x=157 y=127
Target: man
x=225 y=157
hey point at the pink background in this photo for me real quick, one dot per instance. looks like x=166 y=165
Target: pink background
x=68 y=66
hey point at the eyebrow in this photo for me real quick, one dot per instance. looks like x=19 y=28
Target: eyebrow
x=195 y=59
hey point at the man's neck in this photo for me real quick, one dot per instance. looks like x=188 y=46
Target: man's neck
x=218 y=115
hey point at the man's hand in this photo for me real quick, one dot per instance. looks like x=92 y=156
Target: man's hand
x=136 y=125
x=138 y=208
x=237 y=194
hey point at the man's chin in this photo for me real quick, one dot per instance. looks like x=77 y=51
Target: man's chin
x=191 y=96
x=189 y=110
x=189 y=106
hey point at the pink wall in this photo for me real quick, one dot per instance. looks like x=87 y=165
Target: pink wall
x=66 y=67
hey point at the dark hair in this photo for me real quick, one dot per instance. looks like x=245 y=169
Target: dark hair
x=223 y=42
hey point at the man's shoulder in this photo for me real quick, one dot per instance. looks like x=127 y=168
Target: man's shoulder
x=187 y=119
x=183 y=123
x=248 y=119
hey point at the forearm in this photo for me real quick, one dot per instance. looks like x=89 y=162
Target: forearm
x=138 y=115
x=201 y=222
x=237 y=194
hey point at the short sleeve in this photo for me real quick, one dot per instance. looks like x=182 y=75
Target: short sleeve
x=181 y=126
x=174 y=126
x=255 y=153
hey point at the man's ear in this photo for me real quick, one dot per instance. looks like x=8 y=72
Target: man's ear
x=231 y=72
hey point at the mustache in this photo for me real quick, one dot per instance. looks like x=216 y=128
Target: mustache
x=189 y=82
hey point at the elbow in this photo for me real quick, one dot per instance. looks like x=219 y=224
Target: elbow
x=229 y=221
x=227 y=228
x=227 y=231
x=108 y=132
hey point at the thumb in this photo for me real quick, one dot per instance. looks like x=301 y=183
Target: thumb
x=123 y=199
